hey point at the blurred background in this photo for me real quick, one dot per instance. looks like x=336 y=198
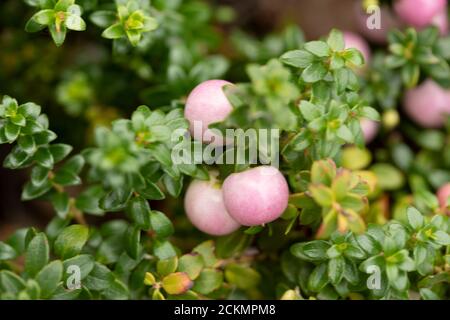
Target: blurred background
x=81 y=85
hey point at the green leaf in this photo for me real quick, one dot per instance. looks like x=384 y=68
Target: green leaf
x=59 y=151
x=297 y=58
x=66 y=178
x=58 y=36
x=206 y=250
x=318 y=48
x=314 y=72
x=354 y=56
x=311 y=251
x=71 y=240
x=88 y=200
x=151 y=191
x=16 y=158
x=27 y=144
x=10 y=282
x=336 y=269
x=191 y=264
x=163 y=249
x=310 y=111
x=173 y=186
x=61 y=203
x=441 y=237
x=49 y=278
x=176 y=283
x=428 y=294
x=33 y=26
x=44 y=157
x=84 y=262
x=162 y=226
x=7 y=252
x=242 y=277
x=37 y=254
x=117 y=290
x=99 y=278
x=63 y=5
x=115 y=200
x=133 y=241
x=11 y=131
x=31 y=191
x=29 y=109
x=322 y=195
x=208 y=281
x=115 y=31
x=336 y=40
x=44 y=17
x=318 y=278
x=138 y=210
x=415 y=218
x=18 y=120
x=167 y=266
x=74 y=22
x=410 y=75
x=370 y=113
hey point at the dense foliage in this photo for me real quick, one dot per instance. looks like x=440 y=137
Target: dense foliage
x=356 y=211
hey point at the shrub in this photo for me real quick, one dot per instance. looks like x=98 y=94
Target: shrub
x=312 y=212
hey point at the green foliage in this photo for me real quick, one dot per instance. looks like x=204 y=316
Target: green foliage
x=396 y=253
x=58 y=16
x=358 y=204
x=414 y=52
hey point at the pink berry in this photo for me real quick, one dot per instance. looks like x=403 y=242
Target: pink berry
x=205 y=208
x=440 y=20
x=443 y=195
x=207 y=104
x=418 y=13
x=428 y=104
x=256 y=196
x=353 y=40
x=388 y=21
x=369 y=129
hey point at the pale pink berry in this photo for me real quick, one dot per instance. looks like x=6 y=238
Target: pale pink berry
x=369 y=129
x=418 y=13
x=443 y=195
x=428 y=104
x=256 y=196
x=207 y=104
x=205 y=208
x=353 y=40
x=375 y=33
x=441 y=21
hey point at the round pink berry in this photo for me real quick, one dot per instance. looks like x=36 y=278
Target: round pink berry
x=428 y=104
x=207 y=104
x=256 y=196
x=418 y=13
x=369 y=129
x=443 y=195
x=205 y=208
x=440 y=20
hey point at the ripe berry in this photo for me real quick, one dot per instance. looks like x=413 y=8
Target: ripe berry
x=207 y=104
x=369 y=129
x=428 y=104
x=205 y=208
x=256 y=196
x=418 y=13
x=443 y=195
